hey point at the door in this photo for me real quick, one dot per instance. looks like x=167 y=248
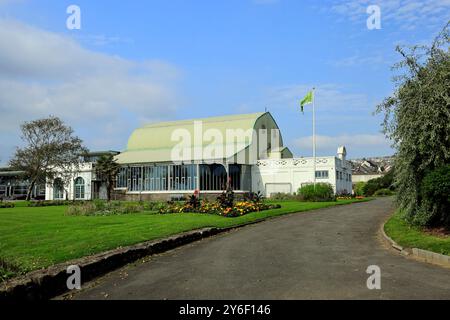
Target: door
x=9 y=191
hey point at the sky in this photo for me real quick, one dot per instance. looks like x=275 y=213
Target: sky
x=136 y=62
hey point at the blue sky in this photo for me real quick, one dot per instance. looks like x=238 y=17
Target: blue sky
x=143 y=61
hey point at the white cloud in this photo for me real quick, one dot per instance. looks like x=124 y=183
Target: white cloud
x=407 y=14
x=356 y=144
x=44 y=73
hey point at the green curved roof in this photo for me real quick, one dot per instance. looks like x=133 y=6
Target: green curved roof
x=153 y=142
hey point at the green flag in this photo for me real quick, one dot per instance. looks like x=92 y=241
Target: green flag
x=308 y=99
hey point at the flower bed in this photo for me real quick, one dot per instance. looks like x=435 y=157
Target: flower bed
x=238 y=209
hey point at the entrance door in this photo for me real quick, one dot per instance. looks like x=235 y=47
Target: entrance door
x=9 y=191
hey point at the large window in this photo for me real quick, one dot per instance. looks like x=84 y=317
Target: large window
x=121 y=181
x=209 y=177
x=79 y=188
x=135 y=179
x=323 y=174
x=155 y=178
x=183 y=177
x=213 y=177
x=58 y=189
x=20 y=190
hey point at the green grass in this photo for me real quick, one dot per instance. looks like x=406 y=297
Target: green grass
x=34 y=238
x=411 y=237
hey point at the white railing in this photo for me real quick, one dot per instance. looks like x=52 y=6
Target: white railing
x=294 y=162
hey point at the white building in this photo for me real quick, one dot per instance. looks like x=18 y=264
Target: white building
x=83 y=185
x=173 y=159
x=288 y=175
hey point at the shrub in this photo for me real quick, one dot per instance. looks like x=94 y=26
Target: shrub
x=383 y=192
x=103 y=208
x=434 y=209
x=226 y=199
x=384 y=182
x=194 y=201
x=4 y=205
x=319 y=193
x=49 y=203
x=359 y=188
x=255 y=197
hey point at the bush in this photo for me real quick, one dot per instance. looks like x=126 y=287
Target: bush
x=4 y=205
x=319 y=193
x=434 y=209
x=359 y=188
x=255 y=197
x=280 y=196
x=226 y=199
x=104 y=208
x=49 y=203
x=383 y=192
x=384 y=182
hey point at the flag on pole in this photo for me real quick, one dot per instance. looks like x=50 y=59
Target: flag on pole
x=308 y=99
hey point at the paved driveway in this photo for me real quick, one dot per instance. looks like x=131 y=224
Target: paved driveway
x=322 y=254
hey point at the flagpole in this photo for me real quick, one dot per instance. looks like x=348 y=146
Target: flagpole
x=314 y=135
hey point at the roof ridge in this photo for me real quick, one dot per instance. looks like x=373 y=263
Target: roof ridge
x=208 y=119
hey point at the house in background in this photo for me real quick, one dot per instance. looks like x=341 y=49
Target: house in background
x=371 y=168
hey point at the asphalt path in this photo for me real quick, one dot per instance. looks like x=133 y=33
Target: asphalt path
x=321 y=254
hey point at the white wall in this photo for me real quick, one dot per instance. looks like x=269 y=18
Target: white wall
x=288 y=175
x=365 y=177
x=86 y=173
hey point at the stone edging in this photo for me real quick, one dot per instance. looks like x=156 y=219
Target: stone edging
x=419 y=254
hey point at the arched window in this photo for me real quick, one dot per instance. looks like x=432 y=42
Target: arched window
x=79 y=188
x=58 y=189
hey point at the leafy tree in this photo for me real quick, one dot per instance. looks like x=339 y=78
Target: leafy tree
x=51 y=151
x=417 y=120
x=107 y=169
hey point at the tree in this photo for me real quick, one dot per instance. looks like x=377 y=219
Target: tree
x=107 y=169
x=417 y=120
x=51 y=151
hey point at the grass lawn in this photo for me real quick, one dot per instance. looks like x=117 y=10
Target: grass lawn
x=412 y=237
x=33 y=238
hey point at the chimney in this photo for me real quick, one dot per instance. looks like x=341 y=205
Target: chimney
x=342 y=152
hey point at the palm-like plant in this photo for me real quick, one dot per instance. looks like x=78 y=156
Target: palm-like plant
x=107 y=169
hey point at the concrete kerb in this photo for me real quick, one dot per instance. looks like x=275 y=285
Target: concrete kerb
x=416 y=253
